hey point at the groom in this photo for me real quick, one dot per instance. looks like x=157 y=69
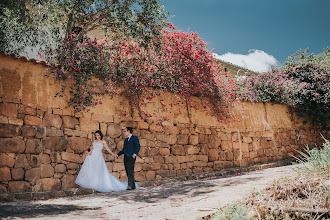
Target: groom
x=130 y=150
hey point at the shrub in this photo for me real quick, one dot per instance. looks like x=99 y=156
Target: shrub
x=303 y=85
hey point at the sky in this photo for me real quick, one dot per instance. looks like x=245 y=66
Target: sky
x=255 y=34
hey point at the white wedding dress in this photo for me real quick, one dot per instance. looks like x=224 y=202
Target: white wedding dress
x=94 y=173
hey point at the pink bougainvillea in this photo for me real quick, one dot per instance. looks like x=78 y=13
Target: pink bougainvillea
x=178 y=62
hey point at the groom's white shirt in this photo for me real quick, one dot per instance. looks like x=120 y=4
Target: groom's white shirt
x=129 y=137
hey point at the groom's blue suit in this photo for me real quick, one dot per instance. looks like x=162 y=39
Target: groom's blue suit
x=131 y=146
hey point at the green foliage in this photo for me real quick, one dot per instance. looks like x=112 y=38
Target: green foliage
x=234 y=211
x=41 y=25
x=315 y=159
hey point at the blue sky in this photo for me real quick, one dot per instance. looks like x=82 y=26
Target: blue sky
x=255 y=34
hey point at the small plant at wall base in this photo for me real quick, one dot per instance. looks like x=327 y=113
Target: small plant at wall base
x=302 y=83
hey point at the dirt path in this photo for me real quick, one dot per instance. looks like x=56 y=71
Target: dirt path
x=179 y=200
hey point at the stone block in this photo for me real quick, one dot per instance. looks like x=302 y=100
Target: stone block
x=3 y=190
x=68 y=182
x=183 y=159
x=149 y=135
x=140 y=176
x=45 y=159
x=193 y=139
x=5 y=174
x=204 y=149
x=21 y=162
x=55 y=143
x=172 y=130
x=150 y=175
x=229 y=156
x=46 y=170
x=49 y=184
x=214 y=141
x=28 y=131
x=53 y=132
x=191 y=149
x=34 y=160
x=82 y=134
x=226 y=145
x=203 y=138
x=156 y=128
x=235 y=137
x=182 y=139
x=178 y=150
x=15 y=121
x=57 y=111
x=197 y=170
x=72 y=166
x=143 y=125
x=69 y=122
x=114 y=130
x=164 y=151
x=88 y=125
x=159 y=159
x=60 y=168
x=33 y=146
x=171 y=159
x=103 y=118
x=237 y=145
x=3 y=120
x=202 y=158
x=247 y=139
x=40 y=132
x=8 y=110
x=163 y=173
x=51 y=120
x=71 y=157
x=19 y=186
x=7 y=130
x=267 y=134
x=171 y=139
x=147 y=166
x=78 y=144
x=223 y=136
x=245 y=147
x=185 y=131
x=26 y=110
x=7 y=159
x=32 y=120
x=213 y=155
x=144 y=152
x=32 y=175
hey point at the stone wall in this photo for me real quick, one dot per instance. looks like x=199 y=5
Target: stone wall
x=43 y=143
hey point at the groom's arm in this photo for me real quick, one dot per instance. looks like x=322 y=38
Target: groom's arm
x=120 y=152
x=137 y=146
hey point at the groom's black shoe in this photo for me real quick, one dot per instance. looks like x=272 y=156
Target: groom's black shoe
x=129 y=188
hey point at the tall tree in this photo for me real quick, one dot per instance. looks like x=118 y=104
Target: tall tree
x=41 y=25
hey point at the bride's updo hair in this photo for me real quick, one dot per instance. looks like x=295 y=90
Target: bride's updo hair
x=100 y=133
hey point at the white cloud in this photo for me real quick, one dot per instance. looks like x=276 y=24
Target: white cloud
x=255 y=60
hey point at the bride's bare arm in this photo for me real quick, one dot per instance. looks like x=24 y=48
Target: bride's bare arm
x=107 y=148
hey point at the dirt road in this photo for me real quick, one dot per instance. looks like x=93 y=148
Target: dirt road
x=177 y=200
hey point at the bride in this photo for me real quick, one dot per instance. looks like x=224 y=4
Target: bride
x=94 y=173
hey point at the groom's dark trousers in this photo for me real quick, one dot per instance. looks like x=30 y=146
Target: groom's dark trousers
x=131 y=146
x=129 y=163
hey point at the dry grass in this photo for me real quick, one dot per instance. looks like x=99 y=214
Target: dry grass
x=306 y=196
